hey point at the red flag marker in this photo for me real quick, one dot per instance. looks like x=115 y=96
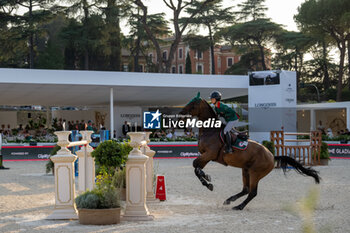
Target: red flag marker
x=160 y=188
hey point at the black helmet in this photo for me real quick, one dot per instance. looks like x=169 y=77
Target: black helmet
x=216 y=95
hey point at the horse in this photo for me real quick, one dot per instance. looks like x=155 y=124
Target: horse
x=256 y=161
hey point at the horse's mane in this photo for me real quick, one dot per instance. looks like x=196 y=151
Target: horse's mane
x=211 y=110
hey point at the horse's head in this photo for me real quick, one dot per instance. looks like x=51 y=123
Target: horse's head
x=193 y=107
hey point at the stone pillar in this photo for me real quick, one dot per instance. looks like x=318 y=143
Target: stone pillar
x=136 y=209
x=149 y=170
x=64 y=180
x=347 y=117
x=86 y=179
x=312 y=120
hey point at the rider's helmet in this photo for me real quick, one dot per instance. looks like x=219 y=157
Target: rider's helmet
x=216 y=95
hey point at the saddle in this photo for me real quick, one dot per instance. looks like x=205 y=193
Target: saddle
x=238 y=139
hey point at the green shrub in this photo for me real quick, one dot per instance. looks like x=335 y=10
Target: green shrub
x=324 y=151
x=119 y=178
x=104 y=196
x=111 y=154
x=269 y=145
x=50 y=165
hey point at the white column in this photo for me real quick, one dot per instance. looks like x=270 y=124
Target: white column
x=312 y=120
x=86 y=179
x=136 y=209
x=64 y=180
x=149 y=170
x=347 y=118
x=111 y=112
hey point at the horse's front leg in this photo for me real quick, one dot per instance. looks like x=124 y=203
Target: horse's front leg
x=198 y=164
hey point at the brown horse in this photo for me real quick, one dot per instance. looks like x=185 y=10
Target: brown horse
x=256 y=161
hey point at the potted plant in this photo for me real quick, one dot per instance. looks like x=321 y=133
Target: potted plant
x=100 y=206
x=111 y=157
x=324 y=154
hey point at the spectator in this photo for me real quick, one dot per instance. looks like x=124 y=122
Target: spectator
x=70 y=125
x=20 y=128
x=126 y=128
x=89 y=126
x=169 y=135
x=321 y=128
x=9 y=131
x=347 y=132
x=329 y=132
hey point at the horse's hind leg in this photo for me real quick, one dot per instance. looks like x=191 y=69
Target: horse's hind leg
x=198 y=165
x=245 y=190
x=253 y=191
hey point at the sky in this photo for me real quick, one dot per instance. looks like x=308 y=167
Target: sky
x=280 y=11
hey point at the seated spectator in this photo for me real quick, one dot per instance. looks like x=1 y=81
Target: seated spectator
x=20 y=128
x=347 y=132
x=329 y=132
x=169 y=135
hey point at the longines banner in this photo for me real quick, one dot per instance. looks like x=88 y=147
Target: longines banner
x=163 y=150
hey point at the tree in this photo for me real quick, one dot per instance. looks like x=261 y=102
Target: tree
x=252 y=10
x=332 y=18
x=138 y=42
x=178 y=28
x=212 y=17
x=188 y=68
x=293 y=46
x=30 y=21
x=256 y=34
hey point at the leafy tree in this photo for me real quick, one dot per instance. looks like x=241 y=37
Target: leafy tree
x=249 y=61
x=251 y=10
x=188 y=68
x=179 y=27
x=332 y=17
x=212 y=17
x=256 y=34
x=30 y=20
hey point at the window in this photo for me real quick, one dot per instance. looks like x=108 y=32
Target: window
x=150 y=55
x=173 y=69
x=165 y=55
x=181 y=69
x=140 y=68
x=219 y=62
x=180 y=53
x=199 y=54
x=199 y=68
x=229 y=61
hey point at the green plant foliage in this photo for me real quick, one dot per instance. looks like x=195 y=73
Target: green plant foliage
x=50 y=165
x=104 y=196
x=111 y=154
x=324 y=151
x=270 y=146
x=119 y=179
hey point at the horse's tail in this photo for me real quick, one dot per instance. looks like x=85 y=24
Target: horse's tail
x=306 y=171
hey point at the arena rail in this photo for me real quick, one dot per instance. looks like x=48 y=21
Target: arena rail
x=308 y=154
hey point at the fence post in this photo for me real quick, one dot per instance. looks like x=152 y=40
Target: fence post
x=64 y=180
x=149 y=170
x=86 y=176
x=136 y=208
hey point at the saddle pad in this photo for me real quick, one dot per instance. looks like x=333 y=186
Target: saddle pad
x=240 y=144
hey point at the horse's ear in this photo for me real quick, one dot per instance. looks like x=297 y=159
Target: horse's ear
x=198 y=95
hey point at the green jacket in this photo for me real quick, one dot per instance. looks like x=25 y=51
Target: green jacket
x=226 y=112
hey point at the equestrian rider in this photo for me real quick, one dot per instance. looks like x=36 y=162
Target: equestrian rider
x=230 y=116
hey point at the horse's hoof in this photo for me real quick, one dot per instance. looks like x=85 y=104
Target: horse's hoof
x=239 y=207
x=208 y=178
x=210 y=187
x=227 y=202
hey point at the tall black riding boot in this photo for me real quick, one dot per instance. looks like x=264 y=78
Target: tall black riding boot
x=228 y=143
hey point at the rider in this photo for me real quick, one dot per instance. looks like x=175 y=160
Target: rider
x=231 y=117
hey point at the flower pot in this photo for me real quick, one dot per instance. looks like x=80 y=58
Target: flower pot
x=324 y=162
x=99 y=216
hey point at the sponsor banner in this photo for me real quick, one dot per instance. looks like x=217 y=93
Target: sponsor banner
x=339 y=150
x=26 y=152
x=163 y=150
